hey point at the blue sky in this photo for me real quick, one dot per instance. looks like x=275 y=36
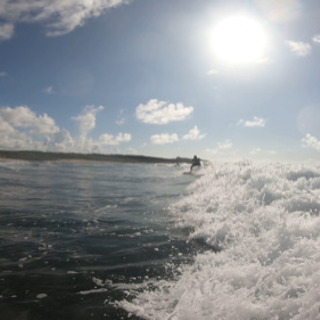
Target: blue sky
x=149 y=77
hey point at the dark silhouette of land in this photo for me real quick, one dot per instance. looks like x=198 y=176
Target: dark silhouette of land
x=56 y=156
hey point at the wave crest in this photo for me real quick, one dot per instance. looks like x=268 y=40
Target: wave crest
x=262 y=220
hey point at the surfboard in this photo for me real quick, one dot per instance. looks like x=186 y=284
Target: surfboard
x=195 y=173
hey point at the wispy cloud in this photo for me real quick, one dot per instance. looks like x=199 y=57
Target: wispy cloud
x=310 y=141
x=164 y=138
x=6 y=31
x=87 y=122
x=49 y=90
x=299 y=48
x=316 y=38
x=194 y=134
x=59 y=17
x=162 y=112
x=120 y=119
x=3 y=74
x=256 y=122
x=221 y=147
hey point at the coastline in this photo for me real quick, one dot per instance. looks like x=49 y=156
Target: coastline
x=27 y=155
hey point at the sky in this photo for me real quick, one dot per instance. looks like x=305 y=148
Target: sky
x=220 y=79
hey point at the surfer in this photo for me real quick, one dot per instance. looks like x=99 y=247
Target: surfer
x=195 y=162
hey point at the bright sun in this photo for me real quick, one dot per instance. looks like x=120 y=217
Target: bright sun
x=239 y=40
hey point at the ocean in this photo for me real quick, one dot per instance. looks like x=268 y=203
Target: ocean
x=90 y=240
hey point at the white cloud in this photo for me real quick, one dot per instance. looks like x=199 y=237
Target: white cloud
x=3 y=74
x=19 y=117
x=194 y=134
x=298 y=47
x=59 y=17
x=49 y=90
x=23 y=117
x=62 y=141
x=87 y=122
x=108 y=139
x=256 y=122
x=221 y=147
x=164 y=138
x=6 y=31
x=316 y=38
x=45 y=125
x=23 y=129
x=17 y=140
x=5 y=127
x=161 y=112
x=310 y=141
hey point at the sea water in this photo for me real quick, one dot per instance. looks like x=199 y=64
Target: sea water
x=69 y=231
x=109 y=241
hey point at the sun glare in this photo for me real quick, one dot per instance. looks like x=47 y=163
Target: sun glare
x=239 y=40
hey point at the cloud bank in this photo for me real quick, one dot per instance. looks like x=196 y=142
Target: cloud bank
x=58 y=17
x=162 y=112
x=22 y=129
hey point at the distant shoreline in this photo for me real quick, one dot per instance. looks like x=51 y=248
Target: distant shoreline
x=57 y=156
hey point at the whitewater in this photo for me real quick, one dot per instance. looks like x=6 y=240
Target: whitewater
x=259 y=229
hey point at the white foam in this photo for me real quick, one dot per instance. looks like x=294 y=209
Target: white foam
x=41 y=295
x=93 y=291
x=264 y=219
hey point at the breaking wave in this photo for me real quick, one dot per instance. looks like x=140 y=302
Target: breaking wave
x=260 y=226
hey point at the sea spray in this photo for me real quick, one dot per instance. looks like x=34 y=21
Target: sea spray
x=261 y=226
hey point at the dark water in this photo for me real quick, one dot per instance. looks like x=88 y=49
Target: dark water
x=74 y=235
